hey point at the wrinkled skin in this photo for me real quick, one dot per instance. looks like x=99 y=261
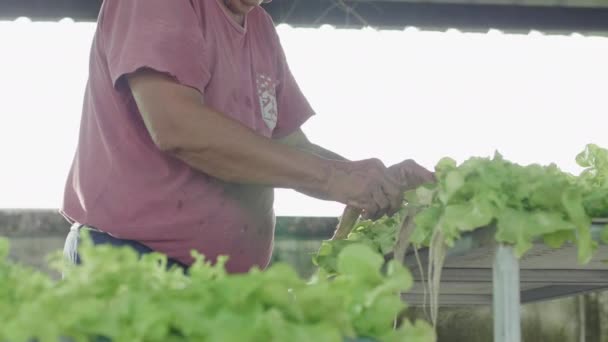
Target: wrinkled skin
x=411 y=175
x=408 y=174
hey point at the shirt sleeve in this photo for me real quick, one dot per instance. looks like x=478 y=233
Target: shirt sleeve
x=162 y=35
x=293 y=107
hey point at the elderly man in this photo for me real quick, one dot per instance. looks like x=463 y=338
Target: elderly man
x=191 y=118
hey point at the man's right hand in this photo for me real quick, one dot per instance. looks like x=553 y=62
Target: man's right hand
x=367 y=185
x=411 y=175
x=408 y=175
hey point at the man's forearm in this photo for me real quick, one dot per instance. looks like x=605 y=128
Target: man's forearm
x=323 y=152
x=299 y=140
x=227 y=150
x=222 y=147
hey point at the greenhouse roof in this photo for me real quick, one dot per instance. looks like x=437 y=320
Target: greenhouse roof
x=549 y=16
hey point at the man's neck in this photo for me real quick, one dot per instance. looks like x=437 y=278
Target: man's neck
x=239 y=18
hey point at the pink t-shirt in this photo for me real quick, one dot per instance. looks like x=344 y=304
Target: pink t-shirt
x=122 y=184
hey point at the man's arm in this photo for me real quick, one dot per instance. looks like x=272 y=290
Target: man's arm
x=408 y=173
x=180 y=124
x=299 y=140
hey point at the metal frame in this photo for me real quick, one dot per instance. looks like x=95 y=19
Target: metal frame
x=377 y=13
x=506 y=303
x=479 y=271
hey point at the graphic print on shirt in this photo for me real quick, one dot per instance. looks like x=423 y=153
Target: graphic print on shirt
x=268 y=101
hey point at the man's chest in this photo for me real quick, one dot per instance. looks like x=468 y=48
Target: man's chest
x=243 y=76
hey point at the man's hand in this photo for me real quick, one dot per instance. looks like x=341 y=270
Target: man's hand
x=359 y=183
x=367 y=185
x=411 y=175
x=408 y=174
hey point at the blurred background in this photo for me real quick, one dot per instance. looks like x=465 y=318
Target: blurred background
x=388 y=79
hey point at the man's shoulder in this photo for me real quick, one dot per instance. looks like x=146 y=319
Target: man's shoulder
x=261 y=16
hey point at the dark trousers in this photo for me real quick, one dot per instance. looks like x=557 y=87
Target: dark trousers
x=70 y=250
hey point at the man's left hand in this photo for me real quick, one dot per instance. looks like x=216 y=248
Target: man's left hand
x=411 y=175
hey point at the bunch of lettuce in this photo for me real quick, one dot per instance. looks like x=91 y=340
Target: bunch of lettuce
x=594 y=180
x=380 y=236
x=524 y=203
x=116 y=296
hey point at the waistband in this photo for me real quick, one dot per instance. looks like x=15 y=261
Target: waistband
x=78 y=226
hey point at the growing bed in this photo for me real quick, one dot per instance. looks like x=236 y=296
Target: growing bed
x=479 y=271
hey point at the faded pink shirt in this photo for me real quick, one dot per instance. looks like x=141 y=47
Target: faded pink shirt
x=122 y=184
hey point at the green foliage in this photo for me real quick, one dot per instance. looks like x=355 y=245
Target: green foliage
x=594 y=180
x=525 y=203
x=379 y=235
x=120 y=297
x=117 y=296
x=604 y=235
